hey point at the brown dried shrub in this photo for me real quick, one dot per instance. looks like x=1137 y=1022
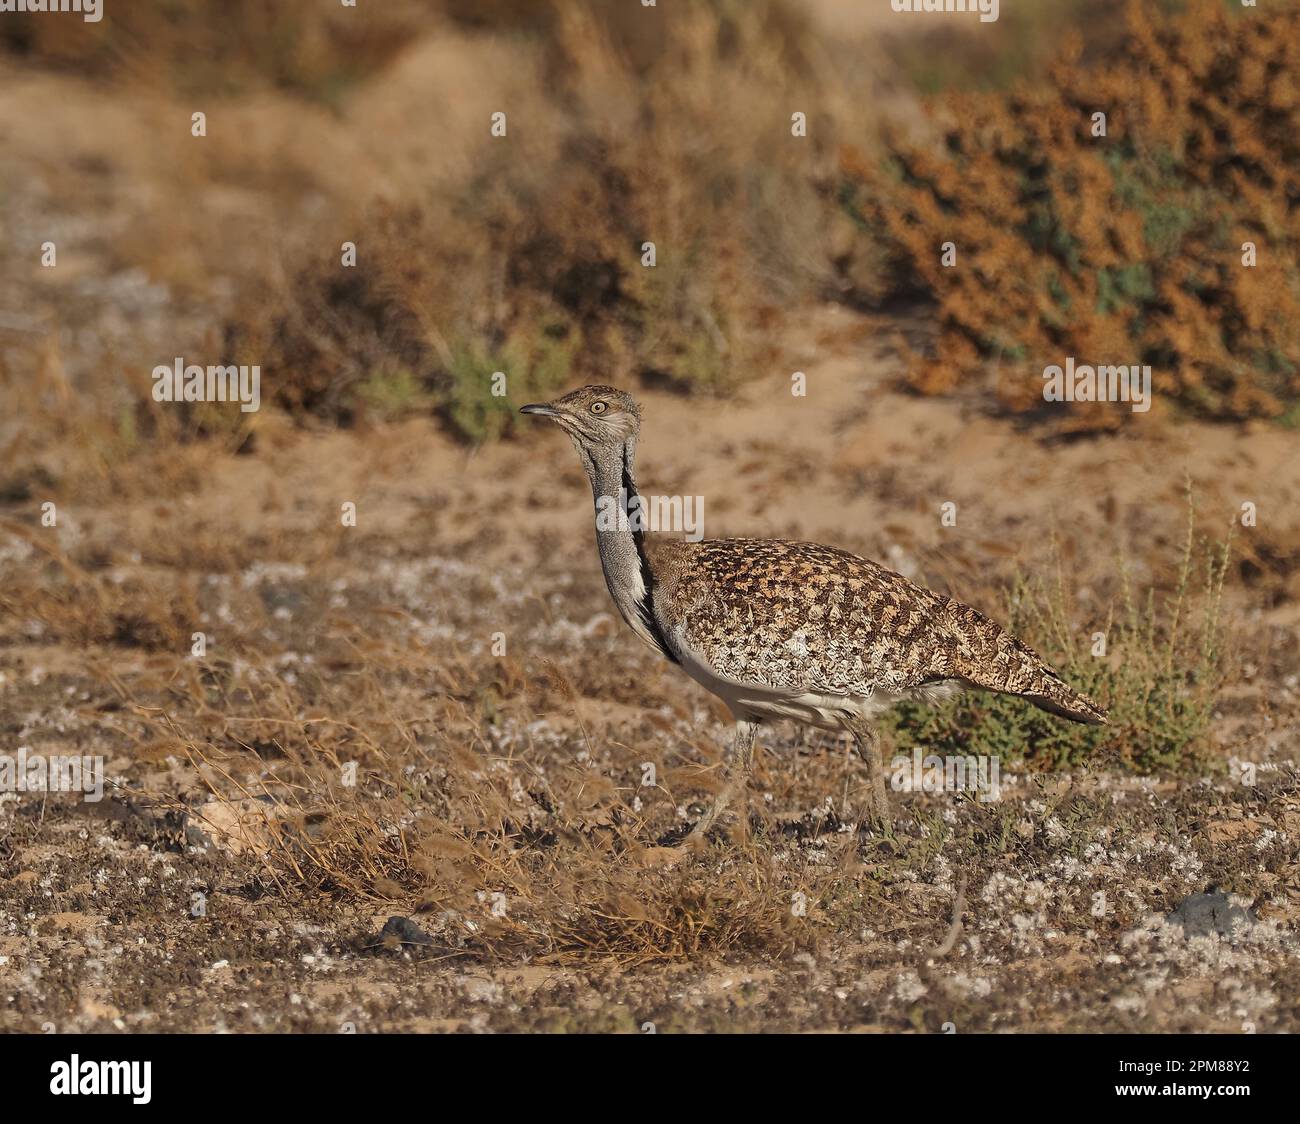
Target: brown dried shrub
x=1121 y=249
x=530 y=261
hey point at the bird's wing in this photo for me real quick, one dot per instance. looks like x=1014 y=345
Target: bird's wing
x=806 y=617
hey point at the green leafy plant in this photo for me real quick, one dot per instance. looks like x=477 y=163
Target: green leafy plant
x=1164 y=664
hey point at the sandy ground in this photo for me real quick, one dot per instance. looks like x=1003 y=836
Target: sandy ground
x=96 y=920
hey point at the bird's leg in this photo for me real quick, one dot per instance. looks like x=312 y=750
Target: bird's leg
x=849 y=754
x=867 y=743
x=738 y=766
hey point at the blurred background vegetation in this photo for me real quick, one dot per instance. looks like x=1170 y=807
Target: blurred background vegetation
x=522 y=254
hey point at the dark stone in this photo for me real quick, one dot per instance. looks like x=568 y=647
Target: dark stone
x=1203 y=915
x=401 y=931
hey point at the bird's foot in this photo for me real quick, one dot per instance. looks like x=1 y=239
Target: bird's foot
x=878 y=819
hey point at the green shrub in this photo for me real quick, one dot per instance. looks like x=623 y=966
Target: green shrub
x=1163 y=667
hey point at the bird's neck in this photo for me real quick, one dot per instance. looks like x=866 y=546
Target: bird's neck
x=620 y=538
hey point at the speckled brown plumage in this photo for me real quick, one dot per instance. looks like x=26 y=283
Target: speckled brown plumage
x=806 y=617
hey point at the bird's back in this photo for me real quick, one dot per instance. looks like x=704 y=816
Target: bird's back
x=806 y=617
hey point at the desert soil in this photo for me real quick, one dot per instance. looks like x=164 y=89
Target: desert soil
x=97 y=926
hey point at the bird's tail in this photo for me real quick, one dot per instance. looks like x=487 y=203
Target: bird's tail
x=1057 y=697
x=989 y=657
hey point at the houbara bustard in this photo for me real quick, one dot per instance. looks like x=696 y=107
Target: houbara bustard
x=781 y=629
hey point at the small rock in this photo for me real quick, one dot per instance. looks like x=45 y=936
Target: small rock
x=398 y=931
x=239 y=826
x=1203 y=915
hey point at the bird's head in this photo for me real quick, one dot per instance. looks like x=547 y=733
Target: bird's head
x=600 y=419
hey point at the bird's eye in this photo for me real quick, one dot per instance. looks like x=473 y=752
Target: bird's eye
x=599 y=407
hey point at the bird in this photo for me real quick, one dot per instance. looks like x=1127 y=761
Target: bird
x=787 y=630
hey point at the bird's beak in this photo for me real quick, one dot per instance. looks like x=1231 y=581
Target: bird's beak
x=539 y=408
